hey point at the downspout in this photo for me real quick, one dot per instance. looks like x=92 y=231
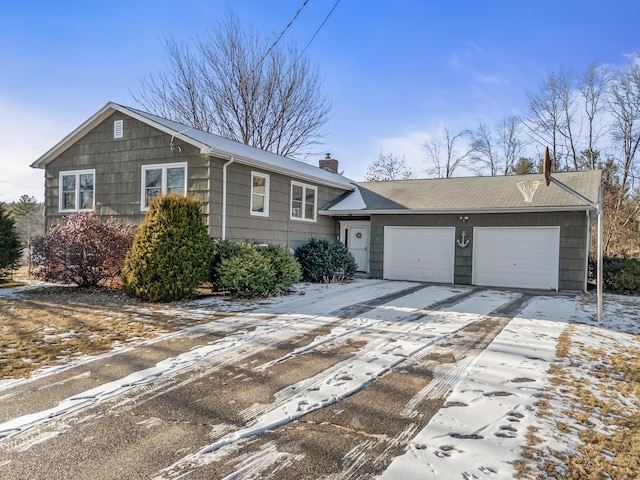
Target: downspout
x=600 y=226
x=224 y=198
x=589 y=242
x=599 y=206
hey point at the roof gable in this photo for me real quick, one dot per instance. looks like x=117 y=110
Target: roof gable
x=208 y=143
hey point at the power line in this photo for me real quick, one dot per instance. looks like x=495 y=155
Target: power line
x=273 y=45
x=319 y=28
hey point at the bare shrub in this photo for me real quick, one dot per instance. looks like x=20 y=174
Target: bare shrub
x=84 y=251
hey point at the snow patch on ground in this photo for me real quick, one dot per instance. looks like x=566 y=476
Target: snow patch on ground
x=482 y=429
x=394 y=343
x=492 y=401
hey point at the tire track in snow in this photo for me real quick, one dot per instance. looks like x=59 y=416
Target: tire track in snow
x=234 y=346
x=392 y=347
x=465 y=348
x=482 y=432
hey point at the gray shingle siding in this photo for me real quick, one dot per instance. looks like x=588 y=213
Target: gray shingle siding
x=118 y=165
x=277 y=228
x=573 y=240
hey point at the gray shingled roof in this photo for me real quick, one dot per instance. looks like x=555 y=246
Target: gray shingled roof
x=248 y=154
x=209 y=143
x=472 y=193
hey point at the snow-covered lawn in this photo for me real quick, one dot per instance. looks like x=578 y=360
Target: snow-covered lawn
x=503 y=405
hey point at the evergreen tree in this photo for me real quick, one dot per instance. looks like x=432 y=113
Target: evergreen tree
x=171 y=253
x=9 y=241
x=29 y=216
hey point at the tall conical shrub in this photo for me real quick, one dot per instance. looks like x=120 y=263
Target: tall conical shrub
x=171 y=253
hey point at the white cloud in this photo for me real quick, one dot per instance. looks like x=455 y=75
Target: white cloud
x=454 y=61
x=634 y=57
x=493 y=79
x=409 y=144
x=473 y=47
x=27 y=133
x=471 y=50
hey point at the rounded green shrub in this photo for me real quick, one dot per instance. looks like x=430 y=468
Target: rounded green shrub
x=246 y=274
x=247 y=270
x=222 y=250
x=286 y=268
x=322 y=260
x=621 y=275
x=171 y=252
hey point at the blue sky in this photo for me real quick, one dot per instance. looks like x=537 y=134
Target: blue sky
x=396 y=71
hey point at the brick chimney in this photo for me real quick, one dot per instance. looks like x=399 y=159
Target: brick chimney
x=329 y=164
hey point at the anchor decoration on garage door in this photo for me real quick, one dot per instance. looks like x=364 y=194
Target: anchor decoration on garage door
x=462 y=241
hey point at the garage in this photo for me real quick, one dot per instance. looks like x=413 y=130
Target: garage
x=423 y=254
x=516 y=257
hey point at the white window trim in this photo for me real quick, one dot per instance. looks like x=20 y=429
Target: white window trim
x=265 y=213
x=305 y=187
x=77 y=174
x=163 y=167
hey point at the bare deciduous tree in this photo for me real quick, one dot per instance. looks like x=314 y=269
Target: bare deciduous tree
x=569 y=124
x=444 y=166
x=552 y=119
x=624 y=106
x=497 y=151
x=388 y=167
x=510 y=141
x=233 y=83
x=593 y=89
x=544 y=117
x=620 y=94
x=484 y=153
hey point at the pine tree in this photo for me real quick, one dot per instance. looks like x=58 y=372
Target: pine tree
x=9 y=241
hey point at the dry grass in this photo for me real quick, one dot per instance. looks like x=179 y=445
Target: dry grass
x=601 y=408
x=564 y=342
x=50 y=326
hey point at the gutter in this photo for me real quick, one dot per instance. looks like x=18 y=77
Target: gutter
x=346 y=184
x=339 y=213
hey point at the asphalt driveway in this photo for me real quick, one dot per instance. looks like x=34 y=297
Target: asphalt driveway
x=335 y=381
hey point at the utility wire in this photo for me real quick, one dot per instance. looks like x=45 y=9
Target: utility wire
x=277 y=40
x=273 y=45
x=319 y=28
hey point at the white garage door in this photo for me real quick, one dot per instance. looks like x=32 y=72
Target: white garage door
x=525 y=257
x=424 y=254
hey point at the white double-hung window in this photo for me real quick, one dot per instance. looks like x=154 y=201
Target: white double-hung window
x=77 y=191
x=259 y=194
x=163 y=180
x=303 y=202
